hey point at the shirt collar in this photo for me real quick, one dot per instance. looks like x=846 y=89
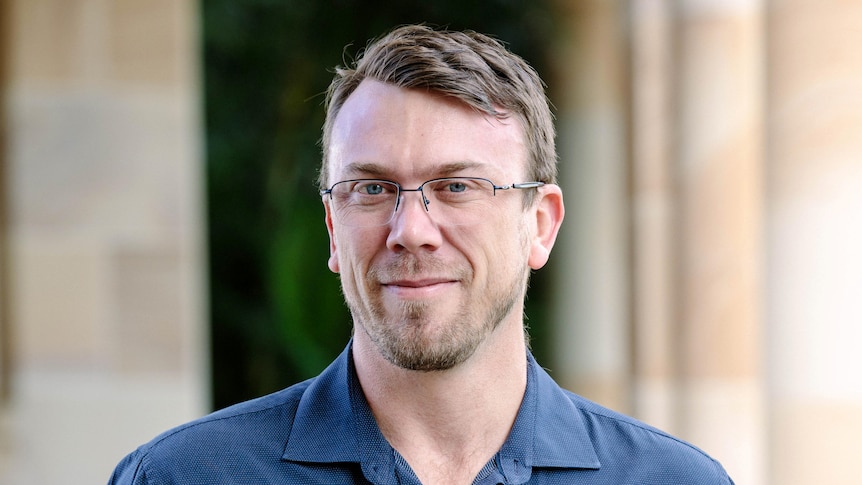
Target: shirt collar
x=556 y=427
x=324 y=429
x=333 y=418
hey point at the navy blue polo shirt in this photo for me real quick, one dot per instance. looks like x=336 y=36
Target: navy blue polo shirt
x=321 y=431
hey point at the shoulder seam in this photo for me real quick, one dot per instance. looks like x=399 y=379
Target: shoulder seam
x=211 y=418
x=622 y=419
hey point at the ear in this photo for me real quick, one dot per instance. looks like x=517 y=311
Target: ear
x=333 y=253
x=549 y=212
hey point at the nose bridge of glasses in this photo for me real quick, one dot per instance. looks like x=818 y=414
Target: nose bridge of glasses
x=422 y=197
x=403 y=212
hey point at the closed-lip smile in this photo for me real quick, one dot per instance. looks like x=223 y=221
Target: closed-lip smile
x=418 y=283
x=418 y=288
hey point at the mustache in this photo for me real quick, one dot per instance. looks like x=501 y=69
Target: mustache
x=412 y=266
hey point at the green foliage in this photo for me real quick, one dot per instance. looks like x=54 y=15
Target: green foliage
x=277 y=312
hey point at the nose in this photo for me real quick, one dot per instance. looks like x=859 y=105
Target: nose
x=424 y=199
x=412 y=228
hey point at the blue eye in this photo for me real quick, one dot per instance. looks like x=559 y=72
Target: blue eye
x=457 y=187
x=371 y=188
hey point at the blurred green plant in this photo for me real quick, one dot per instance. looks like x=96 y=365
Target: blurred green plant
x=277 y=313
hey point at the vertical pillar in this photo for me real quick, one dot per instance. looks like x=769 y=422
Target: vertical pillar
x=105 y=233
x=5 y=326
x=654 y=368
x=591 y=353
x=718 y=158
x=814 y=236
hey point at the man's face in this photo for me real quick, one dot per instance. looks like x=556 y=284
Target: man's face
x=424 y=292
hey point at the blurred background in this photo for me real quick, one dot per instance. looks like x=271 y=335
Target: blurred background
x=163 y=253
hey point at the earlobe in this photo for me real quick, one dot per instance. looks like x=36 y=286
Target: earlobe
x=333 y=253
x=549 y=216
x=333 y=260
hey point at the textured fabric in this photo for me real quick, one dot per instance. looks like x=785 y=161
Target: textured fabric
x=321 y=431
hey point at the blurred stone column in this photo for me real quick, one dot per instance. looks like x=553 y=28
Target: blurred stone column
x=106 y=233
x=654 y=367
x=718 y=158
x=591 y=343
x=5 y=327
x=814 y=240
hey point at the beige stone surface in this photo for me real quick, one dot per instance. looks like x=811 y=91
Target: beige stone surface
x=815 y=441
x=106 y=257
x=591 y=348
x=50 y=40
x=815 y=266
x=104 y=164
x=60 y=294
x=148 y=302
x=719 y=175
x=654 y=385
x=147 y=42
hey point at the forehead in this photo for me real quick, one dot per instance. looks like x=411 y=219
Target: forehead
x=414 y=134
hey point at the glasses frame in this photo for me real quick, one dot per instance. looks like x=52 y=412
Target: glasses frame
x=400 y=189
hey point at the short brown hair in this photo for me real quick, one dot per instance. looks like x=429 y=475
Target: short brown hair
x=468 y=66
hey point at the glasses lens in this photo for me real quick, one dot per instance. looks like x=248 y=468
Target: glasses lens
x=363 y=203
x=459 y=200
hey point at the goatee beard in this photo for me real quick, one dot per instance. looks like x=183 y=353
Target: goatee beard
x=412 y=338
x=411 y=345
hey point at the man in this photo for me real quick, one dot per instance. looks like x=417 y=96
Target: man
x=438 y=186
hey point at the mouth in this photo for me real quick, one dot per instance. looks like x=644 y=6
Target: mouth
x=418 y=288
x=418 y=283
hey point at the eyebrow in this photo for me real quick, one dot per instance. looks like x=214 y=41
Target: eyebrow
x=376 y=170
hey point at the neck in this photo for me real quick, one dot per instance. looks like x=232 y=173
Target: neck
x=449 y=420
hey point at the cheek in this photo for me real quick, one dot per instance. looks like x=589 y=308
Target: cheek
x=513 y=243
x=492 y=249
x=355 y=250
